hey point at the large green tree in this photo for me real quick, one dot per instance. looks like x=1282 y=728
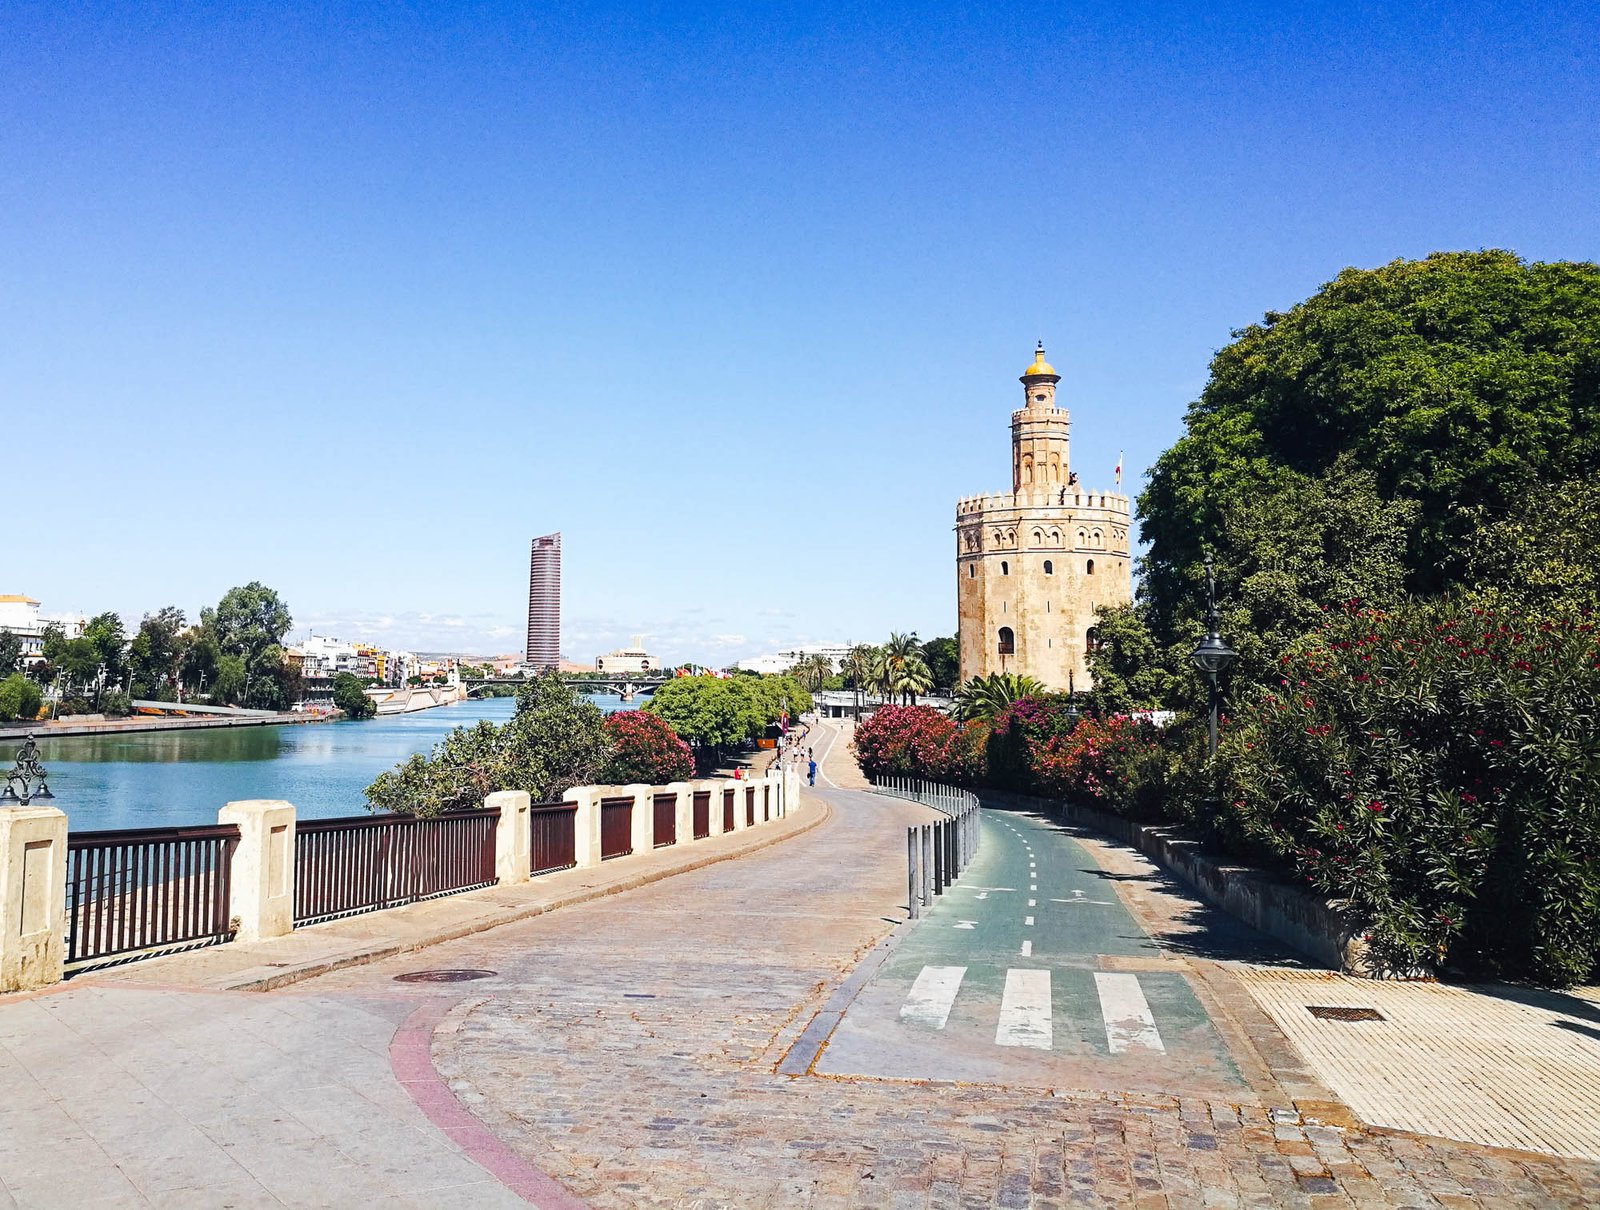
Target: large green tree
x=943 y=657
x=10 y=651
x=1407 y=401
x=156 y=651
x=105 y=634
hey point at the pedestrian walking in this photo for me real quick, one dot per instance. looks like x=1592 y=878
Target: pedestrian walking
x=811 y=773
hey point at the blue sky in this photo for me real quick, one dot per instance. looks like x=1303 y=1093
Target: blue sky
x=356 y=299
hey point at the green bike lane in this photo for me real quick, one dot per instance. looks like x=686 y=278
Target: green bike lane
x=1030 y=971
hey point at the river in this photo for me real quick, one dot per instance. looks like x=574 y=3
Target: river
x=170 y=778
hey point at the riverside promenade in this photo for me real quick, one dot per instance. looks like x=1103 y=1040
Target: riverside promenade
x=629 y=1049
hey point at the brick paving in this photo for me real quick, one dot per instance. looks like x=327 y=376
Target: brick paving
x=628 y=1048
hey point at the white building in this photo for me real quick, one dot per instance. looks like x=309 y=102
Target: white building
x=627 y=660
x=785 y=660
x=20 y=615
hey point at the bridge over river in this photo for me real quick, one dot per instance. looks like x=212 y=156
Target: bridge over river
x=625 y=687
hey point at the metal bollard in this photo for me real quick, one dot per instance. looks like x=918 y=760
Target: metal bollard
x=926 y=835
x=913 y=899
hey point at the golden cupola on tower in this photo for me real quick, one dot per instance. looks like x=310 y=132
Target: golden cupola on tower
x=1034 y=563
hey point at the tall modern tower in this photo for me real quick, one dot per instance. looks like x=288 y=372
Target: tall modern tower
x=544 y=603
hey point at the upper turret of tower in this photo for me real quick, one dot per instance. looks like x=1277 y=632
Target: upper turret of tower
x=1039 y=381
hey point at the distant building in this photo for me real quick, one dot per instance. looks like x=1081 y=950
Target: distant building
x=627 y=659
x=544 y=603
x=20 y=615
x=834 y=653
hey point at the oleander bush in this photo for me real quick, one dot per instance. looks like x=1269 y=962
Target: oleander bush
x=644 y=749
x=1436 y=770
x=904 y=741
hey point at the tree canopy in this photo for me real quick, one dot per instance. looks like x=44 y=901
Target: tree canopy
x=1355 y=444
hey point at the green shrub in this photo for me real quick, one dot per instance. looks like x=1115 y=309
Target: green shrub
x=19 y=699
x=1437 y=770
x=116 y=704
x=73 y=705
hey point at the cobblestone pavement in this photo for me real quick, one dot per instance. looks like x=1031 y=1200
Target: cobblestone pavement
x=628 y=1048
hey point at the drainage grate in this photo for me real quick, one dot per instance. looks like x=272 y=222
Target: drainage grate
x=444 y=976
x=1341 y=1013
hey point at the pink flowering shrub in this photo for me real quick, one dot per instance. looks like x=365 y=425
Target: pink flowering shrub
x=645 y=749
x=903 y=741
x=1437 y=771
x=1116 y=765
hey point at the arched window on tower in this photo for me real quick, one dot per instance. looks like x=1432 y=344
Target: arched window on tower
x=1008 y=641
x=1089 y=570
x=1083 y=538
x=1091 y=640
x=1005 y=568
x=1096 y=539
x=1049 y=568
x=972 y=570
x=1038 y=537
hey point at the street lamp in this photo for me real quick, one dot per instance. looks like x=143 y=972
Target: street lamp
x=24 y=773
x=1072 y=712
x=1212 y=656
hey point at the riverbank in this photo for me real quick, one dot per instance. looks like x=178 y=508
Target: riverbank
x=67 y=728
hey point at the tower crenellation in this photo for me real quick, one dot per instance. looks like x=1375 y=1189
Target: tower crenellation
x=1034 y=563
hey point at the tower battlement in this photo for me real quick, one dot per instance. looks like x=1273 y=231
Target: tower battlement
x=1033 y=564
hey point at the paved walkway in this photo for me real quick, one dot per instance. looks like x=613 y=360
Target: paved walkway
x=628 y=1047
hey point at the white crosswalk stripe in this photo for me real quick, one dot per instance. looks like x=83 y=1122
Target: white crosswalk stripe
x=1025 y=1011
x=930 y=998
x=1129 y=1025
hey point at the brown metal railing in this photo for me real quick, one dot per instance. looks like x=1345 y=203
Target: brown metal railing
x=702 y=814
x=666 y=821
x=728 y=801
x=147 y=888
x=365 y=863
x=554 y=827
x=749 y=806
x=616 y=827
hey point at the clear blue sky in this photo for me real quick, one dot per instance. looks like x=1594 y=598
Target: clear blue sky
x=356 y=299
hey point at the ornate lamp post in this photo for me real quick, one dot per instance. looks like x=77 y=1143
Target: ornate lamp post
x=24 y=773
x=1072 y=711
x=1212 y=656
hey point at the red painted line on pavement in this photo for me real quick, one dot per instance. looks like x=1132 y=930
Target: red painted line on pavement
x=411 y=1060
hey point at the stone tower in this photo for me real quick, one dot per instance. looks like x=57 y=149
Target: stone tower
x=1033 y=563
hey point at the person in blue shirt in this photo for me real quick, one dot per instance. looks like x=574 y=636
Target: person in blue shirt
x=811 y=772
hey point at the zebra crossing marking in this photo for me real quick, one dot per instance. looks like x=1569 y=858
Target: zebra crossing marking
x=1025 y=1011
x=1129 y=1024
x=931 y=996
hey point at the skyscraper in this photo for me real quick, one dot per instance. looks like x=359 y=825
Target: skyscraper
x=544 y=602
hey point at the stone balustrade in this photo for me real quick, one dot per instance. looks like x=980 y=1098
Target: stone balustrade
x=262 y=869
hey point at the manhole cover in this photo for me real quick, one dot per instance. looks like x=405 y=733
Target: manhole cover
x=1341 y=1013
x=444 y=976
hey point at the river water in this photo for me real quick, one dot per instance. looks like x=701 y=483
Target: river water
x=171 y=778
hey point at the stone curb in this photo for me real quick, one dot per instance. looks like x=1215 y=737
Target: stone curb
x=252 y=981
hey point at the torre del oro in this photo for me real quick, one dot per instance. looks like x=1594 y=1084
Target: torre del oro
x=1032 y=563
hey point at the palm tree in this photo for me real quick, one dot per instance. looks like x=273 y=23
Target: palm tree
x=987 y=697
x=898 y=652
x=812 y=671
x=857 y=666
x=914 y=677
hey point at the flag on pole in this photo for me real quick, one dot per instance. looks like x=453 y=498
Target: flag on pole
x=1119 y=468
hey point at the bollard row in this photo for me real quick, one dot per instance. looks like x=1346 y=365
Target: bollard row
x=936 y=853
